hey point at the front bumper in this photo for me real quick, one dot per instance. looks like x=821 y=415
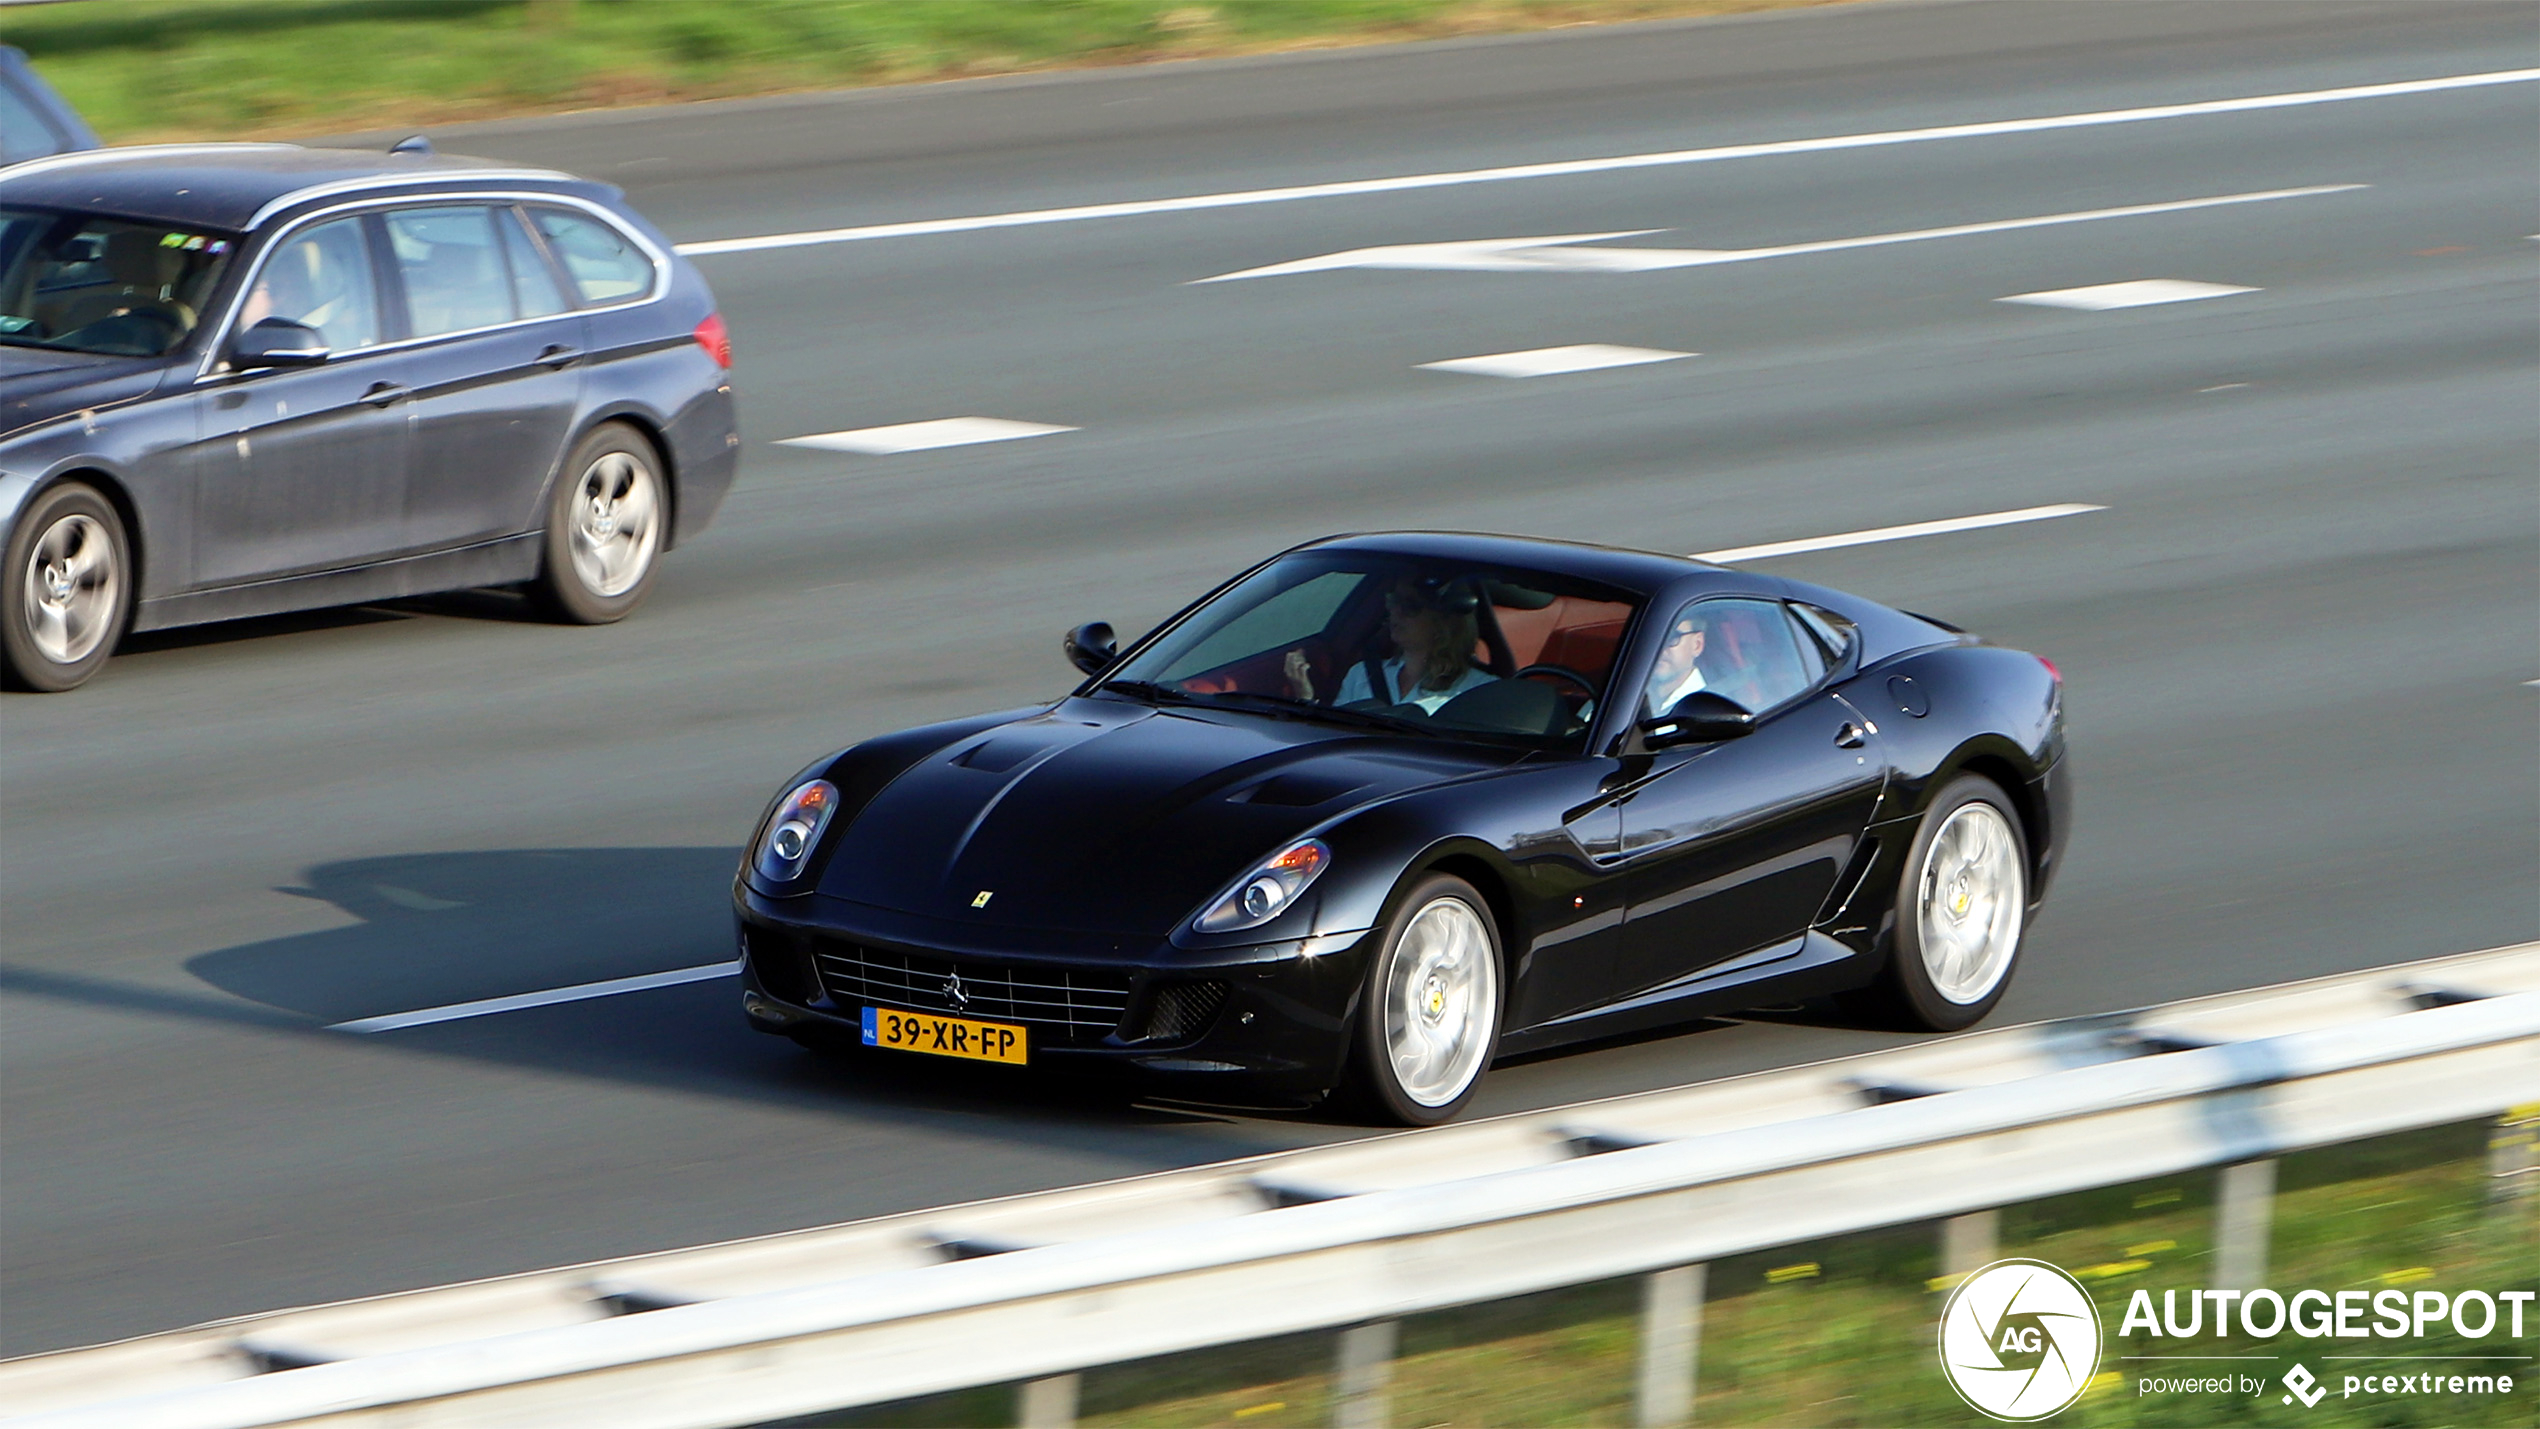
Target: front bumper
x=1259 y=1024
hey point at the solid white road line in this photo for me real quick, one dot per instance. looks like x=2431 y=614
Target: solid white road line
x=1554 y=255
x=923 y=436
x=395 y=1021
x=2142 y=293
x=1545 y=361
x=1894 y=533
x=1248 y=197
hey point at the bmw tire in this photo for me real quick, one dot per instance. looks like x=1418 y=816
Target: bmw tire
x=66 y=594
x=607 y=522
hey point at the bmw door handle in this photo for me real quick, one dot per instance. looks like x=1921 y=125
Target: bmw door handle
x=1848 y=737
x=385 y=394
x=558 y=356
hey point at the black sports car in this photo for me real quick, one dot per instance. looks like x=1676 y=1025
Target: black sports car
x=1385 y=807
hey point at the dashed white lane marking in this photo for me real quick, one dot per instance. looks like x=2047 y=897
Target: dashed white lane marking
x=2143 y=293
x=1895 y=533
x=1559 y=255
x=1546 y=361
x=923 y=436
x=485 y=1007
x=1247 y=197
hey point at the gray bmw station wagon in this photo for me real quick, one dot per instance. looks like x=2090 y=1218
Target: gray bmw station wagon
x=245 y=378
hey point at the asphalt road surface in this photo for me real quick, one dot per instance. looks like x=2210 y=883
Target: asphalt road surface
x=2298 y=640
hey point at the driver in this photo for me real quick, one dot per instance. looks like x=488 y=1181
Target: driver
x=1435 y=627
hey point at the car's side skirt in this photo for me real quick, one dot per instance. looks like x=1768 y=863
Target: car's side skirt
x=497 y=562
x=1809 y=965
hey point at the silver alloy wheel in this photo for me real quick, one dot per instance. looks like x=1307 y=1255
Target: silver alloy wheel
x=1440 y=1002
x=73 y=589
x=1969 y=905
x=615 y=524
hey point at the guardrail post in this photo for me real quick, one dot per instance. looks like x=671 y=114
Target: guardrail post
x=1970 y=1242
x=1670 y=1344
x=2513 y=1155
x=1359 y=1399
x=1047 y=1403
x=2244 y=1209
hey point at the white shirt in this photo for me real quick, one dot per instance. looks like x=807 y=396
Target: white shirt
x=1691 y=682
x=1354 y=686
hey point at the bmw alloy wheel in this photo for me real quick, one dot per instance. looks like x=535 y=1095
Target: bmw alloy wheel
x=1970 y=902
x=616 y=524
x=74 y=589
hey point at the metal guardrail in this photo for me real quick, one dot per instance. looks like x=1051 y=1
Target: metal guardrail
x=1034 y=1288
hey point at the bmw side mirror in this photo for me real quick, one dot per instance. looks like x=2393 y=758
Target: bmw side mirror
x=1703 y=717
x=1092 y=647
x=279 y=342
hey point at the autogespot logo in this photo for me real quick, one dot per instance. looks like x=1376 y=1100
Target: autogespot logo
x=2019 y=1340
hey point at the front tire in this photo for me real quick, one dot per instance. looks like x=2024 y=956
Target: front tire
x=1428 y=1017
x=66 y=590
x=1961 y=909
x=606 y=524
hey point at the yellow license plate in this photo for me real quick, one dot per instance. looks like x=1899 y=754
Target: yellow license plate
x=943 y=1036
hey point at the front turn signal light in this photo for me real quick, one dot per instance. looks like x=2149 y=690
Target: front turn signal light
x=794 y=831
x=1268 y=890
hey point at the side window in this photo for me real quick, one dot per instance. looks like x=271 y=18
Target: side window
x=455 y=273
x=321 y=277
x=532 y=281
x=1742 y=650
x=605 y=267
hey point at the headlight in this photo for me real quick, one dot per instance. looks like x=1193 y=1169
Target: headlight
x=1266 y=892
x=794 y=831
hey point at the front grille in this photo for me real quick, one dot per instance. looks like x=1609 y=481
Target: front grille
x=1080 y=1004
x=1183 y=1011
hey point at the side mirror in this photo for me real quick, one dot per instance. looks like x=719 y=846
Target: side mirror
x=279 y=342
x=1091 y=647
x=1703 y=717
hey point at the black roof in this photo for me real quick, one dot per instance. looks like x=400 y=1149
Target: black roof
x=224 y=186
x=1644 y=571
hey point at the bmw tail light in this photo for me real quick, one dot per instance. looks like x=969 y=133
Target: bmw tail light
x=1268 y=890
x=716 y=339
x=2051 y=671
x=793 y=831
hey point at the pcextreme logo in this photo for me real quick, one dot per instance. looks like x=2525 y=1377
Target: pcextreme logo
x=2019 y=1340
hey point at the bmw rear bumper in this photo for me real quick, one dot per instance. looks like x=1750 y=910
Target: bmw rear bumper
x=1262 y=1024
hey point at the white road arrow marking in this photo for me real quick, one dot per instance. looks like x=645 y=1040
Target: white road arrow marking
x=1556 y=254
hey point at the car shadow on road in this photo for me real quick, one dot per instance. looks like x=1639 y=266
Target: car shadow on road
x=433 y=930
x=505 y=605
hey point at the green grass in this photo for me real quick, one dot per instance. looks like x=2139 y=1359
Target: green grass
x=224 y=69
x=1841 y=1332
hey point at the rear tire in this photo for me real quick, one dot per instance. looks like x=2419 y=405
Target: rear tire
x=607 y=521
x=1428 y=1013
x=65 y=591
x=1961 y=911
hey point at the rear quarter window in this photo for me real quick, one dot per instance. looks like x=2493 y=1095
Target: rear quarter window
x=606 y=267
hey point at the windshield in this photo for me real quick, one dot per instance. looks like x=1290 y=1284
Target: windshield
x=1423 y=645
x=103 y=285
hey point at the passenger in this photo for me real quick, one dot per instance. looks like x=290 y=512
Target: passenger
x=1678 y=669
x=1435 y=629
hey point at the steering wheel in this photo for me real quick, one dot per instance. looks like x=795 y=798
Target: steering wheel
x=1587 y=687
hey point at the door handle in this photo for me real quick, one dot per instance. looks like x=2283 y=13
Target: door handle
x=1848 y=737
x=557 y=355
x=385 y=394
